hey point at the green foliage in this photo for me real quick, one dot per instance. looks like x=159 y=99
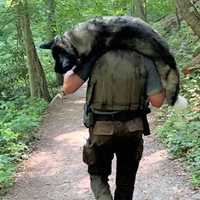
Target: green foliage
x=7 y=170
x=19 y=118
x=181 y=134
x=72 y=12
x=181 y=131
x=157 y=9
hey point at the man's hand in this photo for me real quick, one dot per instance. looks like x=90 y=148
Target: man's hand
x=158 y=99
x=72 y=82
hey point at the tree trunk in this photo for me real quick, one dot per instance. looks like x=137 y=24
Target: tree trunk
x=38 y=83
x=51 y=21
x=140 y=9
x=178 y=19
x=19 y=28
x=20 y=45
x=52 y=29
x=190 y=14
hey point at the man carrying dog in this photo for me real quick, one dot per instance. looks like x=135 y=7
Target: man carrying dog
x=120 y=87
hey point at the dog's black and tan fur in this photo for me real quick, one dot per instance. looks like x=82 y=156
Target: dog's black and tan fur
x=101 y=34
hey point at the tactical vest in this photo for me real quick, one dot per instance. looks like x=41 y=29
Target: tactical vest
x=118 y=82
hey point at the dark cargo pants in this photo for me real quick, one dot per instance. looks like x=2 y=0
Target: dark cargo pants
x=128 y=148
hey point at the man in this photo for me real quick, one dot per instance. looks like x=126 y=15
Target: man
x=120 y=87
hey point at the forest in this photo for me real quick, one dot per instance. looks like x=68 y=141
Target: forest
x=28 y=81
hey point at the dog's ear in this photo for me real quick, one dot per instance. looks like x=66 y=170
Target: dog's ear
x=48 y=45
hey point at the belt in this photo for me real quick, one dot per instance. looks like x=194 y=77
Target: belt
x=121 y=116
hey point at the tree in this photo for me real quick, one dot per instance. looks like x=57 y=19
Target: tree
x=51 y=21
x=38 y=83
x=190 y=14
x=52 y=29
x=20 y=42
x=140 y=8
x=178 y=19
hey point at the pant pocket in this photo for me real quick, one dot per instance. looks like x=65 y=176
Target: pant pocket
x=89 y=156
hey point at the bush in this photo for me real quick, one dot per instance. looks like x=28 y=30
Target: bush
x=181 y=134
x=19 y=118
x=181 y=131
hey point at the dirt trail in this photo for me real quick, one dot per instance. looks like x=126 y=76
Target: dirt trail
x=55 y=170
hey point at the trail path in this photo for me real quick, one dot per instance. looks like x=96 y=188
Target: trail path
x=55 y=171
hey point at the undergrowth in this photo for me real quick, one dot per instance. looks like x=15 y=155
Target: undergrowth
x=19 y=118
x=180 y=131
x=181 y=135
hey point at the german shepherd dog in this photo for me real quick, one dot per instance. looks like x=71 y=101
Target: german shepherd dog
x=88 y=41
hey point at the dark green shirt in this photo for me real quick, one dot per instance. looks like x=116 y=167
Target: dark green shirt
x=154 y=84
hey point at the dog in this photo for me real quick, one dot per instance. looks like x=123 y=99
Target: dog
x=89 y=40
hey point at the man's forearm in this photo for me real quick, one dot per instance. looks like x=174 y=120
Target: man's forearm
x=72 y=82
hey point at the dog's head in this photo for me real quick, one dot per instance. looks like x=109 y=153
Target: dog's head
x=62 y=53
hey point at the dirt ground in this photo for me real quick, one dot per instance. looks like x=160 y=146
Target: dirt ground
x=54 y=171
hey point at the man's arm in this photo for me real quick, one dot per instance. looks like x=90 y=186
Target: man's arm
x=155 y=91
x=158 y=99
x=72 y=82
x=74 y=79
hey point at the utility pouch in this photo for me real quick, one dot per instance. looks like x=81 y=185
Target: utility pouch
x=89 y=153
x=88 y=117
